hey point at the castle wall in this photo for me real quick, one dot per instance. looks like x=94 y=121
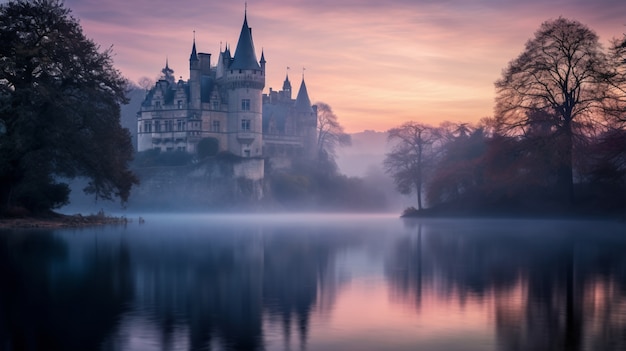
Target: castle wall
x=211 y=185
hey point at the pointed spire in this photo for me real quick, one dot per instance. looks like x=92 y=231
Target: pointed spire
x=262 y=57
x=245 y=58
x=168 y=73
x=167 y=70
x=287 y=83
x=194 y=53
x=303 y=103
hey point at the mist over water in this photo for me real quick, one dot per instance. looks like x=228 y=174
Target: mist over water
x=315 y=282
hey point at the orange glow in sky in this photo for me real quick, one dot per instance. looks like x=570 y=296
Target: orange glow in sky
x=377 y=63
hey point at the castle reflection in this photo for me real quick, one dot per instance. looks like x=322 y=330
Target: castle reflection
x=220 y=286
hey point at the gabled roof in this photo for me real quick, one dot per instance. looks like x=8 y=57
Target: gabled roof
x=245 y=58
x=303 y=103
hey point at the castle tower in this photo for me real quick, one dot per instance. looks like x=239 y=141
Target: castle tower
x=194 y=77
x=245 y=80
x=287 y=87
x=262 y=62
x=306 y=116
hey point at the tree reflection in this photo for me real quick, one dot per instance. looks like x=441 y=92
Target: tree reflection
x=552 y=289
x=49 y=304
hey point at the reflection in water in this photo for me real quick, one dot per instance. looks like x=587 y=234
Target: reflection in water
x=553 y=286
x=50 y=300
x=315 y=283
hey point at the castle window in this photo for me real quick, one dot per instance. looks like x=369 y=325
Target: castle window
x=147 y=127
x=245 y=124
x=245 y=104
x=180 y=104
x=157 y=126
x=246 y=153
x=181 y=125
x=216 y=105
x=215 y=126
x=157 y=104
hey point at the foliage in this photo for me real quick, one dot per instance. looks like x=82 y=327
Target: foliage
x=59 y=108
x=156 y=158
x=564 y=75
x=310 y=186
x=208 y=147
x=457 y=170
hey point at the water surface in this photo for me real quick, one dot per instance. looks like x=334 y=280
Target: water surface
x=315 y=282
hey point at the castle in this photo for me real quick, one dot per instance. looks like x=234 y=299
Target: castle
x=226 y=102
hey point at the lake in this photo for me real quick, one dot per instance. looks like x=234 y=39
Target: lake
x=315 y=282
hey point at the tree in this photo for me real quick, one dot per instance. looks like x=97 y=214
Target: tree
x=145 y=83
x=60 y=110
x=412 y=157
x=563 y=72
x=330 y=133
x=616 y=107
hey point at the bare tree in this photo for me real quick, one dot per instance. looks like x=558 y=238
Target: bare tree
x=411 y=157
x=145 y=83
x=330 y=133
x=616 y=107
x=564 y=72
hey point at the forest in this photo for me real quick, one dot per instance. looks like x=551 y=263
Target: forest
x=556 y=144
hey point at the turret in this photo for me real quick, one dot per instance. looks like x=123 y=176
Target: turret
x=245 y=79
x=307 y=119
x=195 y=75
x=193 y=58
x=287 y=87
x=262 y=62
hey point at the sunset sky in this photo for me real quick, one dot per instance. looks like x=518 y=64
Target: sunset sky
x=377 y=63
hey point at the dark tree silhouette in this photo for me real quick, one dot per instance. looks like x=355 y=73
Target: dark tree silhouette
x=60 y=111
x=564 y=72
x=412 y=157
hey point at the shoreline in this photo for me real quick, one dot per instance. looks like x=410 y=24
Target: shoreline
x=56 y=220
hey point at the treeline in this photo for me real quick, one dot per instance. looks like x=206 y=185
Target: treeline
x=319 y=186
x=556 y=144
x=473 y=169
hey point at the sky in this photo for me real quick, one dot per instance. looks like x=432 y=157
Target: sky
x=377 y=63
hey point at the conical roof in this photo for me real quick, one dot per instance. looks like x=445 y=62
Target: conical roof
x=303 y=103
x=194 y=53
x=262 y=57
x=245 y=58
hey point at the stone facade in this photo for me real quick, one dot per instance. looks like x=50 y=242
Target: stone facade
x=225 y=101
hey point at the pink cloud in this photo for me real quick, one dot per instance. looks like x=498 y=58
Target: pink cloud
x=377 y=63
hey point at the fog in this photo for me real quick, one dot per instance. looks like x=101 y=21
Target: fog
x=315 y=282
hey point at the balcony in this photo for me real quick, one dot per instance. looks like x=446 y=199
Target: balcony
x=246 y=137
